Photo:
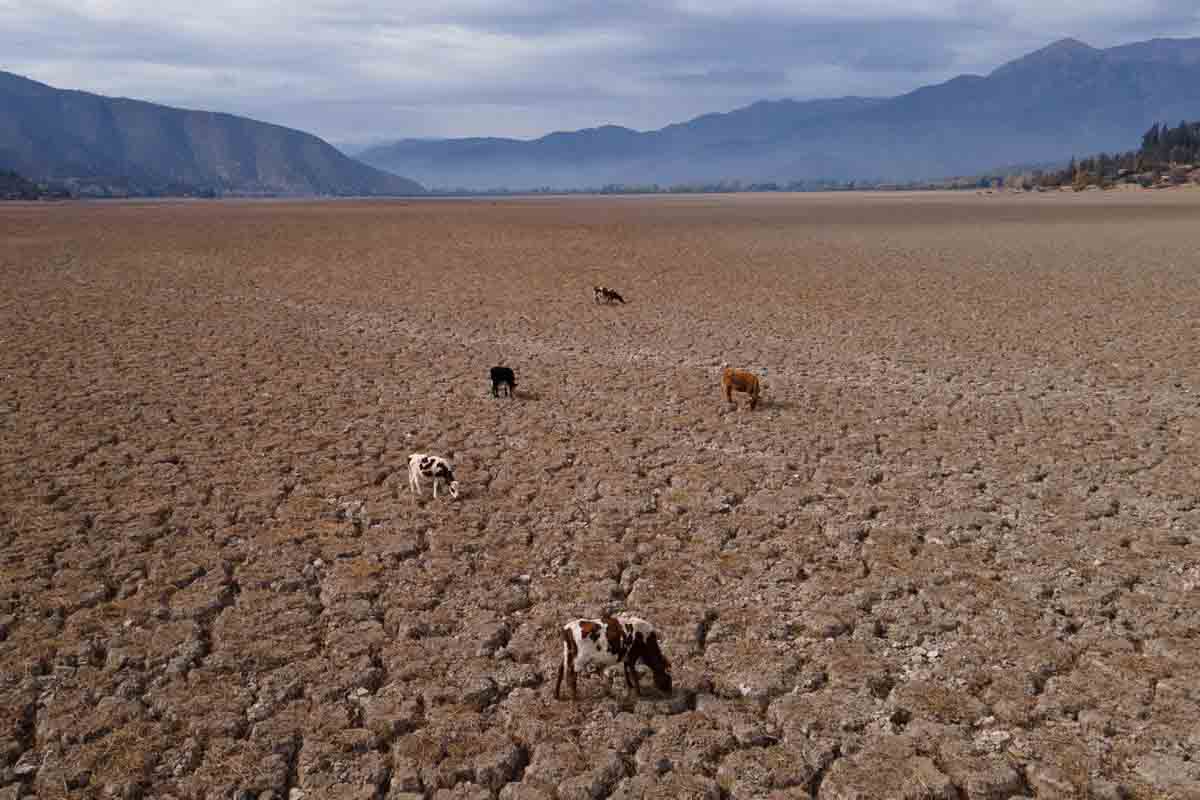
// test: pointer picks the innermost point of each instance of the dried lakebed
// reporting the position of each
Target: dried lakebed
(953, 554)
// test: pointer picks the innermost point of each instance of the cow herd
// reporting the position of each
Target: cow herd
(611, 640)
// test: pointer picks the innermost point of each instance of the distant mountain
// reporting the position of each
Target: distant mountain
(1067, 98)
(86, 139)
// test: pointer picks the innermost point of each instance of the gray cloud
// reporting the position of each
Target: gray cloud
(369, 70)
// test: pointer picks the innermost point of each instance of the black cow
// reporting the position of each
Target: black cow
(503, 376)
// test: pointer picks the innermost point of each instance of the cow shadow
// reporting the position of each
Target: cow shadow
(520, 395)
(783, 404)
(764, 405)
(678, 701)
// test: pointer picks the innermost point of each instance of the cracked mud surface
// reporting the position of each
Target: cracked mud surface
(954, 554)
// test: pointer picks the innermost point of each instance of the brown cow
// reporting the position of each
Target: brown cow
(743, 381)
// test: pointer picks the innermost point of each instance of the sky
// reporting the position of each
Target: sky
(357, 72)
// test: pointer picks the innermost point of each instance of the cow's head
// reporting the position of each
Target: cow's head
(659, 665)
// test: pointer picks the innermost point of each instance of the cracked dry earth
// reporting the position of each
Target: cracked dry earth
(954, 554)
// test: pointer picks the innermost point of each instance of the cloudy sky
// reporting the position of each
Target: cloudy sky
(357, 71)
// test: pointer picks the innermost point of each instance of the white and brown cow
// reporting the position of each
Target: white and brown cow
(607, 641)
(435, 467)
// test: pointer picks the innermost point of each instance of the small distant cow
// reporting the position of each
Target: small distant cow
(503, 376)
(742, 381)
(612, 640)
(439, 469)
(603, 294)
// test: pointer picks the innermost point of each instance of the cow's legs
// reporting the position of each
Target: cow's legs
(632, 679)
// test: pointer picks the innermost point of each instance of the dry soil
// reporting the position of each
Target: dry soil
(954, 554)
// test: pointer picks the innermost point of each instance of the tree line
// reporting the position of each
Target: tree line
(1166, 155)
(16, 187)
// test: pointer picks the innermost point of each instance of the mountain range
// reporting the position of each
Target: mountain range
(1065, 99)
(73, 137)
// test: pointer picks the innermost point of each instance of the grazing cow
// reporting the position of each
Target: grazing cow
(503, 376)
(435, 467)
(742, 381)
(608, 641)
(602, 294)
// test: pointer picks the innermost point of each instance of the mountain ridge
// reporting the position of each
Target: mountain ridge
(75, 137)
(1063, 99)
